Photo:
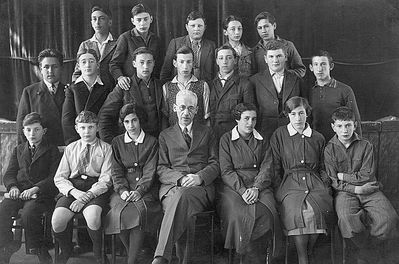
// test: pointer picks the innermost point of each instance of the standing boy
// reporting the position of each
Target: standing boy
(185, 80)
(144, 91)
(83, 179)
(203, 50)
(365, 215)
(328, 94)
(30, 186)
(102, 42)
(140, 36)
(45, 97)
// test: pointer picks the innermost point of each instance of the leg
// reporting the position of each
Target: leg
(62, 227)
(135, 243)
(301, 243)
(92, 214)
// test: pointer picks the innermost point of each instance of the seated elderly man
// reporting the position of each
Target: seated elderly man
(187, 167)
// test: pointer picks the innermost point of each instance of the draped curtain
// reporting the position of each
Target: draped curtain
(363, 37)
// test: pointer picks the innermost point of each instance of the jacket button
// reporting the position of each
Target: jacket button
(303, 136)
(302, 161)
(137, 179)
(254, 165)
(135, 164)
(303, 178)
(306, 191)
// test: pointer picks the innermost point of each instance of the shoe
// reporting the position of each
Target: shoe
(159, 260)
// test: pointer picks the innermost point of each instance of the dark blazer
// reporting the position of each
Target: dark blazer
(270, 112)
(105, 74)
(207, 59)
(77, 99)
(176, 159)
(127, 43)
(109, 113)
(37, 98)
(25, 172)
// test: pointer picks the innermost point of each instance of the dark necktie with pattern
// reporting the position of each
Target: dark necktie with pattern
(52, 89)
(186, 137)
(84, 160)
(32, 150)
(196, 49)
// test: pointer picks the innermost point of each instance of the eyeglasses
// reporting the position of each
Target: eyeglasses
(189, 108)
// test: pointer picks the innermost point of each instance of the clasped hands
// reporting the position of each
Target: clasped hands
(82, 198)
(28, 194)
(190, 180)
(250, 196)
(132, 196)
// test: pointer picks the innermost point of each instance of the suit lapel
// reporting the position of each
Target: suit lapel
(288, 84)
(47, 99)
(197, 137)
(108, 48)
(268, 83)
(177, 136)
(205, 50)
(158, 93)
(134, 91)
(41, 149)
(26, 155)
(96, 92)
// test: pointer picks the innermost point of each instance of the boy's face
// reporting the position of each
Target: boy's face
(142, 22)
(88, 64)
(344, 129)
(51, 69)
(196, 28)
(100, 22)
(183, 64)
(225, 60)
(275, 59)
(185, 108)
(266, 29)
(144, 64)
(87, 131)
(233, 31)
(34, 133)
(321, 68)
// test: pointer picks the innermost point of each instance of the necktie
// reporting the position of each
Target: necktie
(186, 137)
(84, 160)
(223, 81)
(52, 89)
(196, 49)
(32, 150)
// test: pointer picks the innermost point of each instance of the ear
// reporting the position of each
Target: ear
(225, 32)
(44, 130)
(274, 25)
(76, 128)
(174, 63)
(331, 66)
(332, 126)
(174, 108)
(134, 63)
(311, 67)
(186, 27)
(265, 58)
(110, 22)
(132, 20)
(151, 19)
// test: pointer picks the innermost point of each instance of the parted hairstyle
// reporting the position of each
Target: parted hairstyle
(295, 102)
(102, 9)
(226, 47)
(343, 113)
(90, 51)
(230, 18)
(264, 15)
(32, 118)
(195, 15)
(241, 108)
(276, 44)
(50, 53)
(183, 50)
(140, 8)
(86, 117)
(322, 53)
(128, 109)
(141, 50)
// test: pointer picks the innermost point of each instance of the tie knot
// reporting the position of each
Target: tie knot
(185, 130)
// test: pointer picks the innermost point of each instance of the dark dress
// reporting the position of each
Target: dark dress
(244, 165)
(133, 168)
(298, 163)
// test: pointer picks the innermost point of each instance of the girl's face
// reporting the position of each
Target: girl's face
(132, 125)
(233, 31)
(298, 118)
(247, 122)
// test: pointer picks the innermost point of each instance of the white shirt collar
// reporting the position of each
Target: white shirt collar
(49, 84)
(227, 75)
(189, 127)
(192, 79)
(139, 139)
(307, 132)
(108, 39)
(98, 80)
(281, 73)
(235, 135)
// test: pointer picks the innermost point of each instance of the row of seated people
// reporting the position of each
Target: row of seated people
(294, 182)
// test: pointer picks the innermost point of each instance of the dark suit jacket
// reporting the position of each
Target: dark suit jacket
(77, 99)
(207, 59)
(176, 159)
(105, 75)
(25, 172)
(270, 113)
(109, 113)
(37, 98)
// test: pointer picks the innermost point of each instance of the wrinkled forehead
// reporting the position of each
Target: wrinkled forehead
(186, 99)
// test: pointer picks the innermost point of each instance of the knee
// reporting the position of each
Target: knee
(93, 218)
(59, 222)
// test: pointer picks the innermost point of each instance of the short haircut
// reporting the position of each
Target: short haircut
(183, 50)
(276, 44)
(322, 53)
(226, 47)
(264, 15)
(140, 8)
(90, 51)
(128, 109)
(50, 53)
(195, 15)
(185, 93)
(230, 18)
(295, 102)
(86, 117)
(32, 118)
(102, 9)
(141, 50)
(343, 113)
(241, 108)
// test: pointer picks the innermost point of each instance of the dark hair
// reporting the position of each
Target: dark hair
(343, 113)
(102, 9)
(140, 8)
(276, 44)
(241, 108)
(225, 47)
(128, 109)
(141, 50)
(50, 53)
(230, 18)
(183, 50)
(264, 15)
(295, 102)
(195, 15)
(86, 117)
(322, 53)
(32, 118)
(90, 51)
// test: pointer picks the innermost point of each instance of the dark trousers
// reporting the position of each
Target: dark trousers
(31, 220)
